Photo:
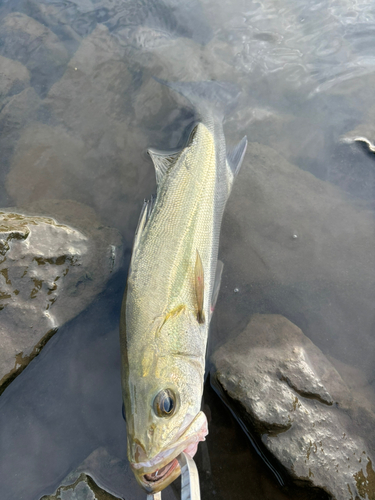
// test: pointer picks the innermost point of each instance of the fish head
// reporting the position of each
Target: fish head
(163, 402)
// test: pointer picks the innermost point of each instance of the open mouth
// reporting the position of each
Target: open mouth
(162, 469)
(162, 473)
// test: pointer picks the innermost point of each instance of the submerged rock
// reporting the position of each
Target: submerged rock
(50, 270)
(14, 77)
(168, 60)
(26, 40)
(287, 390)
(102, 476)
(48, 163)
(91, 104)
(19, 104)
(170, 18)
(155, 104)
(83, 488)
(296, 245)
(94, 88)
(18, 110)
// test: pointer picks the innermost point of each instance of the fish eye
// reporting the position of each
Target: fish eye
(165, 403)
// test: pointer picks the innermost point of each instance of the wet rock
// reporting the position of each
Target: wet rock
(296, 245)
(287, 390)
(83, 488)
(14, 77)
(26, 40)
(50, 270)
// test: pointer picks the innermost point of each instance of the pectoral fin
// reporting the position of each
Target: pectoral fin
(199, 288)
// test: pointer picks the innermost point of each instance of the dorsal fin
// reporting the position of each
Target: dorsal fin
(163, 161)
(236, 155)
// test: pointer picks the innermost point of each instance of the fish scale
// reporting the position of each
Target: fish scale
(164, 326)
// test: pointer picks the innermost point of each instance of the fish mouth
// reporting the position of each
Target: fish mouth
(164, 468)
(161, 474)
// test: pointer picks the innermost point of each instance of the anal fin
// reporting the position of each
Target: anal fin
(217, 283)
(235, 156)
(147, 207)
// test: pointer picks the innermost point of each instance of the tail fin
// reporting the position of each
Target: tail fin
(207, 98)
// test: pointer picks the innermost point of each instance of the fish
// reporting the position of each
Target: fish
(172, 287)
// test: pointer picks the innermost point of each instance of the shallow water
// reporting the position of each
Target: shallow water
(77, 127)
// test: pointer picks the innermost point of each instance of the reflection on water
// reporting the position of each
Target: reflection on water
(78, 109)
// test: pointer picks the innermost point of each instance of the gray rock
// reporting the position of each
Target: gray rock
(299, 246)
(298, 402)
(50, 270)
(14, 77)
(83, 488)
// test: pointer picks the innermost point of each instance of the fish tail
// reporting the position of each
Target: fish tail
(209, 98)
(212, 100)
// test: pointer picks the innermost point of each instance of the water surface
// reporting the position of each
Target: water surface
(77, 126)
